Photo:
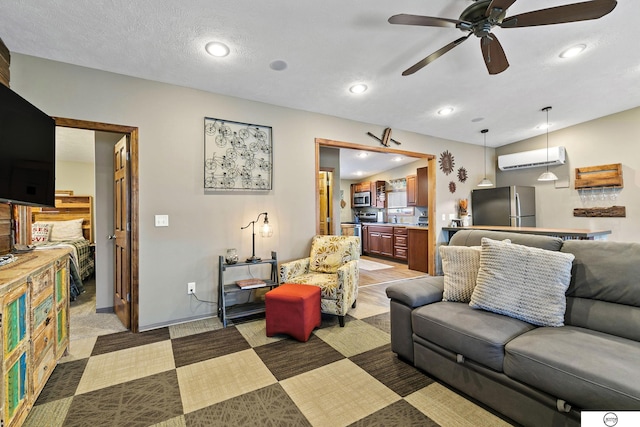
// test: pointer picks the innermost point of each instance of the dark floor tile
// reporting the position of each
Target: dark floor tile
(384, 365)
(380, 321)
(141, 402)
(268, 406)
(288, 358)
(63, 381)
(127, 339)
(399, 413)
(207, 345)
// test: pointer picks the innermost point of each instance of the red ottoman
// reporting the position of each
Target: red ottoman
(293, 309)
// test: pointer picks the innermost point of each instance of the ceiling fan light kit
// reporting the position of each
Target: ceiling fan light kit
(483, 15)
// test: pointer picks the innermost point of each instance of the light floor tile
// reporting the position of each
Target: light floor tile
(366, 309)
(195, 327)
(256, 333)
(211, 381)
(117, 367)
(356, 337)
(79, 349)
(173, 422)
(448, 408)
(337, 394)
(50, 414)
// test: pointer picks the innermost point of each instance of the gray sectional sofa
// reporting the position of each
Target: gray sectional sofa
(534, 375)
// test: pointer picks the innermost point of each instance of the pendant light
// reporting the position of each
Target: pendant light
(547, 176)
(485, 182)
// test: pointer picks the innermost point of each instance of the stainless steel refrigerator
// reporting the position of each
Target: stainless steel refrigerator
(513, 206)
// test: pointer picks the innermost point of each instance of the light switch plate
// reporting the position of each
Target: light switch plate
(162, 220)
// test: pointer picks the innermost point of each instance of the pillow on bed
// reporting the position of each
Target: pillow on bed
(66, 230)
(40, 232)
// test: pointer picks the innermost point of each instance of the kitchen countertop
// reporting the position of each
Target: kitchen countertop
(397, 224)
(561, 232)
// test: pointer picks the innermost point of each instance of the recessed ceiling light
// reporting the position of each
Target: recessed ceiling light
(358, 88)
(445, 111)
(573, 51)
(363, 154)
(217, 49)
(278, 65)
(359, 173)
(477, 119)
(397, 159)
(543, 126)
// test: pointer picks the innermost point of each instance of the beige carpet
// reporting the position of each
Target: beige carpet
(365, 264)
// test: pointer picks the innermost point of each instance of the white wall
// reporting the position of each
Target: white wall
(202, 226)
(76, 176)
(610, 139)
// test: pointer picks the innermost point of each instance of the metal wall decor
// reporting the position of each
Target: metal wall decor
(237, 156)
(447, 162)
(462, 174)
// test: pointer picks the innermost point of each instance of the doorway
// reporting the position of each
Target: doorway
(325, 205)
(129, 271)
(431, 171)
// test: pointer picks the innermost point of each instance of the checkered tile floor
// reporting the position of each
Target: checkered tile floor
(200, 374)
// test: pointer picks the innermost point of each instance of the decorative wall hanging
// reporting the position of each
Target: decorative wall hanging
(237, 156)
(447, 162)
(462, 174)
(452, 187)
(386, 137)
(611, 212)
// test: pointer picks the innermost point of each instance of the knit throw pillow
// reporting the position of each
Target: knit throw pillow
(460, 265)
(523, 282)
(40, 232)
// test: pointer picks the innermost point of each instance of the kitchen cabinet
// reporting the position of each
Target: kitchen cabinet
(380, 240)
(34, 307)
(418, 255)
(400, 243)
(418, 188)
(379, 197)
(361, 186)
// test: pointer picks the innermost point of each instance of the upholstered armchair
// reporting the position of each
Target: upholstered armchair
(333, 266)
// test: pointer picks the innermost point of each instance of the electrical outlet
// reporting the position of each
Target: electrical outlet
(191, 288)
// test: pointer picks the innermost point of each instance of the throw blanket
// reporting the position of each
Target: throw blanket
(81, 254)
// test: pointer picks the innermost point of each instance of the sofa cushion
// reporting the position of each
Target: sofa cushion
(447, 324)
(417, 292)
(460, 266)
(588, 369)
(474, 237)
(522, 282)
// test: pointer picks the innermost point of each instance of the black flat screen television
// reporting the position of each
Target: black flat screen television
(27, 152)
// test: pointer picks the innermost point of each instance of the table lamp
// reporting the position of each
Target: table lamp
(265, 231)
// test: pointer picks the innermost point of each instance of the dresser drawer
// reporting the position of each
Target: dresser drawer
(42, 311)
(41, 281)
(400, 253)
(42, 371)
(43, 341)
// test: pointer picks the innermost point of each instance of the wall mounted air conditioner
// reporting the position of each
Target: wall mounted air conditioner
(532, 159)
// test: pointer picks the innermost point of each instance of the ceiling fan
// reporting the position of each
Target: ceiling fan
(479, 18)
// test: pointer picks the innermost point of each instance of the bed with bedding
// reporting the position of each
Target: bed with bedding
(67, 225)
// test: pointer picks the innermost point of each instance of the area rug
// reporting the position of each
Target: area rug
(367, 265)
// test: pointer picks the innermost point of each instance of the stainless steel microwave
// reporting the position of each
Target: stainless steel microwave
(362, 200)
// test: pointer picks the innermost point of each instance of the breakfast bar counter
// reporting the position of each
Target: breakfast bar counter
(563, 233)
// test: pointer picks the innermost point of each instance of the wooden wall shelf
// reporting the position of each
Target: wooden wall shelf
(599, 176)
(611, 212)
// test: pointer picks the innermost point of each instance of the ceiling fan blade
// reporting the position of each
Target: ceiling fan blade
(435, 55)
(425, 21)
(561, 14)
(499, 4)
(493, 54)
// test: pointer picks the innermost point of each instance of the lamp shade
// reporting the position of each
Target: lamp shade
(547, 176)
(485, 183)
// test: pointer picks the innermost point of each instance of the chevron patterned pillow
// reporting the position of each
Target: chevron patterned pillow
(523, 282)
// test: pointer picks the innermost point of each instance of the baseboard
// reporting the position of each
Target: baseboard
(176, 322)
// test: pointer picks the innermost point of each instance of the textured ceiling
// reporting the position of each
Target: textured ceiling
(332, 44)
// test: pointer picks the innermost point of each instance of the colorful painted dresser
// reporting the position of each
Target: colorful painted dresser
(34, 316)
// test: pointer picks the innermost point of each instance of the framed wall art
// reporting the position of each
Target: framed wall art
(237, 156)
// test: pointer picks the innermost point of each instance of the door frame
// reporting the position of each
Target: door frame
(131, 133)
(431, 171)
(331, 231)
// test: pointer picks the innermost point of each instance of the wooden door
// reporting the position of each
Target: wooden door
(325, 214)
(121, 235)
